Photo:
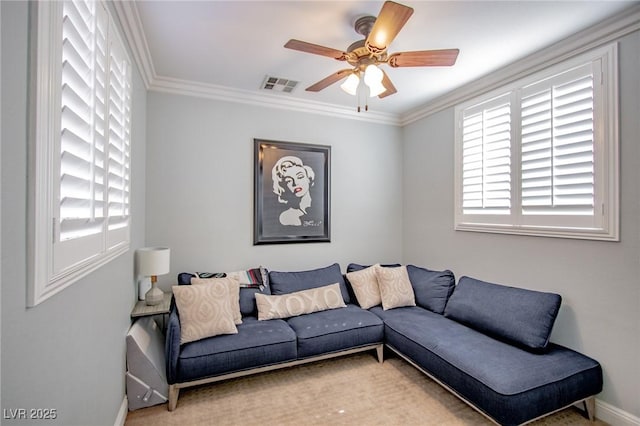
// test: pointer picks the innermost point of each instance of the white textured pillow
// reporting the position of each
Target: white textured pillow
(205, 311)
(233, 285)
(365, 286)
(395, 287)
(299, 302)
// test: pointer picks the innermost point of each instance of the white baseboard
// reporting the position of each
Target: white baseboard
(122, 413)
(615, 416)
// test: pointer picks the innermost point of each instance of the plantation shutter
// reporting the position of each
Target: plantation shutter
(93, 195)
(82, 138)
(119, 161)
(558, 133)
(486, 158)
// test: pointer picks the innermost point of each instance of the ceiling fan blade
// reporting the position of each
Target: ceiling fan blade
(390, 21)
(328, 81)
(424, 58)
(316, 49)
(386, 82)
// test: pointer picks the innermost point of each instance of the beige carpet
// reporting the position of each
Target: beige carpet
(351, 390)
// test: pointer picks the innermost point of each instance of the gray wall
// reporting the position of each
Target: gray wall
(200, 185)
(67, 353)
(598, 281)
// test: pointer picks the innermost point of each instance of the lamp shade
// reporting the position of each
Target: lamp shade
(153, 261)
(373, 75)
(351, 84)
(376, 89)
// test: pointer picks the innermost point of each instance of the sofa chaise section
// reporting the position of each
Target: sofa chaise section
(508, 384)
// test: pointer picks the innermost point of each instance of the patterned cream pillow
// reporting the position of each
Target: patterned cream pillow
(395, 287)
(205, 311)
(233, 285)
(365, 286)
(299, 302)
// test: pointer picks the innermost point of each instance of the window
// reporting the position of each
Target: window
(540, 157)
(81, 132)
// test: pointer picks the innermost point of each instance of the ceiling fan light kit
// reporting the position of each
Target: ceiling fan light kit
(373, 77)
(365, 56)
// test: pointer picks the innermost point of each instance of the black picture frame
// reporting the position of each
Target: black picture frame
(292, 202)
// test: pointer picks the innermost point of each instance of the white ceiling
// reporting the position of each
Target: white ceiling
(235, 44)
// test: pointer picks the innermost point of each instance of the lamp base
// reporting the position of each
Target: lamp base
(155, 296)
(144, 285)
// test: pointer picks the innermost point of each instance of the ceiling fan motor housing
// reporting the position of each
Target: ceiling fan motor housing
(360, 56)
(364, 25)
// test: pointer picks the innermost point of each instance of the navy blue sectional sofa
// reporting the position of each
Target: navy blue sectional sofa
(486, 343)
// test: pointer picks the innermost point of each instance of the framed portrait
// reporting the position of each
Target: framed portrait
(291, 192)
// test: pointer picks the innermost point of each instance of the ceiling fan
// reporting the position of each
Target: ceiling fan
(366, 55)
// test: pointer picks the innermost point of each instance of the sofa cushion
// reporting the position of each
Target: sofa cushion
(233, 285)
(364, 283)
(299, 302)
(336, 330)
(511, 385)
(395, 287)
(205, 311)
(248, 301)
(352, 267)
(432, 288)
(257, 343)
(288, 282)
(524, 317)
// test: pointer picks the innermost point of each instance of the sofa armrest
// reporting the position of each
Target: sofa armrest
(172, 344)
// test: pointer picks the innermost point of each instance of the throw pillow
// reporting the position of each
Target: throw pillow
(395, 287)
(250, 278)
(299, 302)
(288, 282)
(205, 311)
(234, 293)
(365, 286)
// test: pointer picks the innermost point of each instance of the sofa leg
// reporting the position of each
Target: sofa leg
(174, 391)
(380, 353)
(590, 408)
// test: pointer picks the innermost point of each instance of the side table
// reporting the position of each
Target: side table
(141, 309)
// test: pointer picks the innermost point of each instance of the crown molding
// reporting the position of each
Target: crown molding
(605, 32)
(211, 91)
(129, 18)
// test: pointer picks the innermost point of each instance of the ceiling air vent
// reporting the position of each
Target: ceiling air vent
(276, 84)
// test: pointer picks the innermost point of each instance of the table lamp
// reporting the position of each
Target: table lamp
(151, 262)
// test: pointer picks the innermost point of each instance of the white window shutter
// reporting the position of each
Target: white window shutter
(486, 158)
(558, 171)
(81, 199)
(119, 161)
